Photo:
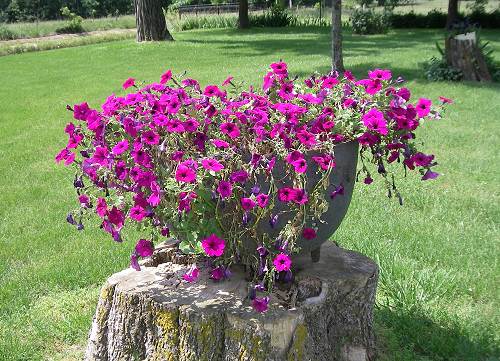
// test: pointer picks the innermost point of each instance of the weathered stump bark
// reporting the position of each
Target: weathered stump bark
(154, 315)
(150, 21)
(463, 53)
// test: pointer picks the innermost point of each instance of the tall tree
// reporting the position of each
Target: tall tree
(150, 21)
(452, 13)
(243, 21)
(337, 58)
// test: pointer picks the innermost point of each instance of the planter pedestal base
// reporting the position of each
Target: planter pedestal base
(154, 315)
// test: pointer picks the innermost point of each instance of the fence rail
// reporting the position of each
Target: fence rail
(215, 8)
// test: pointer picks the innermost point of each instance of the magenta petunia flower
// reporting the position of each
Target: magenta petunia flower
(150, 137)
(230, 129)
(227, 81)
(213, 246)
(166, 76)
(286, 194)
(80, 111)
(120, 147)
(325, 161)
(329, 82)
(247, 204)
(144, 248)
(374, 120)
(137, 213)
(100, 156)
(279, 68)
(84, 200)
(175, 126)
(268, 81)
(262, 200)
(191, 125)
(372, 86)
(306, 138)
(212, 91)
(260, 304)
(185, 174)
(116, 217)
(300, 165)
(308, 233)
(101, 207)
(300, 196)
(134, 262)
(282, 262)
(338, 191)
(66, 155)
(423, 107)
(368, 180)
(422, 159)
(445, 100)
(128, 83)
(380, 74)
(192, 274)
(212, 164)
(218, 273)
(239, 176)
(225, 189)
(219, 143)
(430, 175)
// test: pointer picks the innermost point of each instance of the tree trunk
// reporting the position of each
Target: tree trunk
(452, 13)
(150, 21)
(243, 21)
(155, 315)
(337, 58)
(463, 53)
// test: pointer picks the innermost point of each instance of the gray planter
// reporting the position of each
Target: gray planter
(344, 174)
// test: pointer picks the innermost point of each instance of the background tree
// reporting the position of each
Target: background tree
(150, 21)
(452, 13)
(243, 20)
(337, 58)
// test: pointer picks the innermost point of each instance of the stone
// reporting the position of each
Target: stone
(152, 314)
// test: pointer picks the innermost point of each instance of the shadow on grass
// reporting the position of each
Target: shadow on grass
(306, 41)
(414, 335)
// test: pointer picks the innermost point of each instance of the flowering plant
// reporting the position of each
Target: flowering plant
(176, 159)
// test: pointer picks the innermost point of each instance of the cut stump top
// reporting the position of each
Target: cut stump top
(331, 320)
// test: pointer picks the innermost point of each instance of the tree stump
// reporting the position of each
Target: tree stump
(463, 53)
(150, 21)
(153, 314)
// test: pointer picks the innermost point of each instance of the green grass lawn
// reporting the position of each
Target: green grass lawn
(438, 294)
(44, 28)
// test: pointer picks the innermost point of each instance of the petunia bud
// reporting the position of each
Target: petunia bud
(70, 219)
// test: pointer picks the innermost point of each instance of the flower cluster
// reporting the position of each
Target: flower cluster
(174, 158)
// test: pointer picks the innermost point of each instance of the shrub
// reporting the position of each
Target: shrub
(275, 16)
(6, 34)
(173, 158)
(436, 69)
(206, 22)
(369, 22)
(436, 19)
(73, 25)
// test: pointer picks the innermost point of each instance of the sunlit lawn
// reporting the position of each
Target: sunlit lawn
(438, 293)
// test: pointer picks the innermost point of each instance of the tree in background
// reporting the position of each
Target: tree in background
(243, 20)
(150, 21)
(452, 13)
(337, 58)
